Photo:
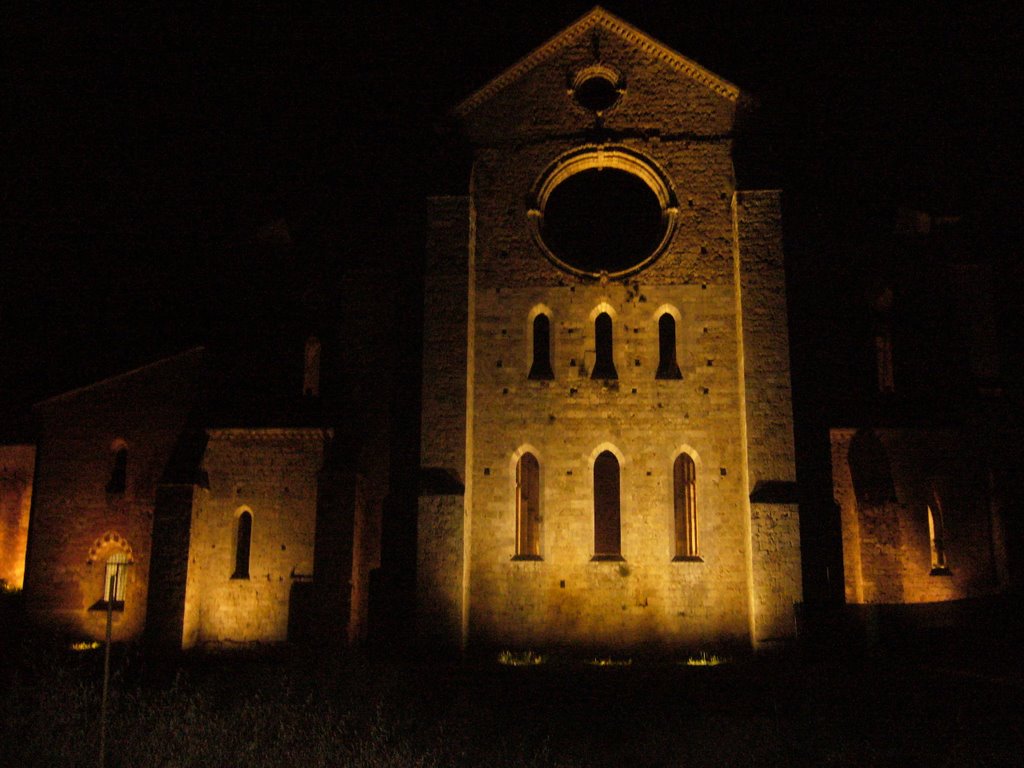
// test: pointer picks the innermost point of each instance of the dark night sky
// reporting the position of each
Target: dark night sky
(138, 146)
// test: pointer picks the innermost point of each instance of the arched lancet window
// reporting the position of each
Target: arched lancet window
(541, 367)
(607, 522)
(668, 368)
(243, 542)
(115, 578)
(311, 368)
(528, 507)
(936, 538)
(883, 358)
(604, 365)
(684, 491)
(119, 472)
(882, 312)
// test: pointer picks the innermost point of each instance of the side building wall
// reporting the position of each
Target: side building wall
(770, 462)
(271, 475)
(86, 510)
(885, 481)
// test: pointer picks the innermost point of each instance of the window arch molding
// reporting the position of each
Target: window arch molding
(667, 309)
(108, 542)
(114, 553)
(592, 466)
(526, 449)
(611, 448)
(518, 453)
(695, 552)
(690, 451)
(605, 307)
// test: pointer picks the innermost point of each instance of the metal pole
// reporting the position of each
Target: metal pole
(106, 670)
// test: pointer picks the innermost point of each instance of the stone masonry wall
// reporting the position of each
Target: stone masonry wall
(77, 524)
(439, 564)
(566, 598)
(681, 126)
(172, 521)
(768, 410)
(443, 451)
(659, 100)
(778, 581)
(272, 474)
(762, 299)
(444, 337)
(886, 545)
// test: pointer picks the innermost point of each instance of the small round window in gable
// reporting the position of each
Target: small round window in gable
(597, 88)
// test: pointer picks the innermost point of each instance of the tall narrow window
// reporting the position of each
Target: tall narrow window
(604, 365)
(528, 507)
(541, 368)
(311, 368)
(119, 472)
(882, 315)
(243, 543)
(667, 366)
(115, 578)
(883, 359)
(607, 535)
(936, 537)
(684, 484)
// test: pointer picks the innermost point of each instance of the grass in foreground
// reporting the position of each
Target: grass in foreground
(351, 711)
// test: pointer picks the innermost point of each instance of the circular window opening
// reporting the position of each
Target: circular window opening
(603, 220)
(596, 93)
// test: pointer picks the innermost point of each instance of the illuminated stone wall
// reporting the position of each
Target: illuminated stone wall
(759, 280)
(720, 276)
(78, 520)
(17, 463)
(176, 515)
(884, 494)
(443, 451)
(271, 474)
(566, 423)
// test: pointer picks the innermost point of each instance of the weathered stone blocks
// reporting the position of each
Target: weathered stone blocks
(720, 277)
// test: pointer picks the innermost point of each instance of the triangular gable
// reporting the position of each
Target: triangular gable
(197, 352)
(599, 17)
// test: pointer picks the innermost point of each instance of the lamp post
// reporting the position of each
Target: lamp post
(115, 577)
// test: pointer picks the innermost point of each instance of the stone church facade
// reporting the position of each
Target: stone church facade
(606, 456)
(607, 424)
